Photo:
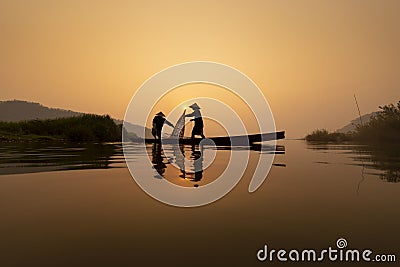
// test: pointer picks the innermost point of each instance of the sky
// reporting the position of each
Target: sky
(308, 57)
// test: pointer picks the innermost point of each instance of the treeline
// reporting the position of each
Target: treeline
(383, 127)
(87, 127)
(326, 136)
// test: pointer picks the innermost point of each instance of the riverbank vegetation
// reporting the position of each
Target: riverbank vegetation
(383, 127)
(324, 135)
(83, 128)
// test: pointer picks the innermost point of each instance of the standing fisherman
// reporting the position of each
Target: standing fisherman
(198, 121)
(158, 123)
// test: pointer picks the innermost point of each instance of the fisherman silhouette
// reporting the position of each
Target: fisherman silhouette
(158, 123)
(198, 121)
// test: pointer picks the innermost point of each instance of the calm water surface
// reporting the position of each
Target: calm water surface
(77, 205)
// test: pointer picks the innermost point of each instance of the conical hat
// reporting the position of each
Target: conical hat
(194, 106)
(160, 114)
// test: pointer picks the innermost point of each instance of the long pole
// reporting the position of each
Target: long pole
(359, 113)
(363, 166)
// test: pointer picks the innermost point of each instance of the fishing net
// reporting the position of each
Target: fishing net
(179, 129)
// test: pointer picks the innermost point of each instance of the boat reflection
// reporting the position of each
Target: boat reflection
(183, 164)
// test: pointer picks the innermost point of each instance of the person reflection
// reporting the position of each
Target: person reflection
(195, 174)
(197, 156)
(158, 159)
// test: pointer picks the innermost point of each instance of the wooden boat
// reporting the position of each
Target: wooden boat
(239, 140)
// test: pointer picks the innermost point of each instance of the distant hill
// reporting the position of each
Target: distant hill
(352, 125)
(19, 110)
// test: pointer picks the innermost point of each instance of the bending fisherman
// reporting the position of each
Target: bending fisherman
(158, 123)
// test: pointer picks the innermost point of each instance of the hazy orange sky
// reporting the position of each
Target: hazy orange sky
(308, 57)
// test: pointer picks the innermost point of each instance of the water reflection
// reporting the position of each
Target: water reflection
(193, 173)
(31, 157)
(179, 155)
(43, 157)
(185, 165)
(305, 204)
(197, 157)
(384, 158)
(158, 159)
